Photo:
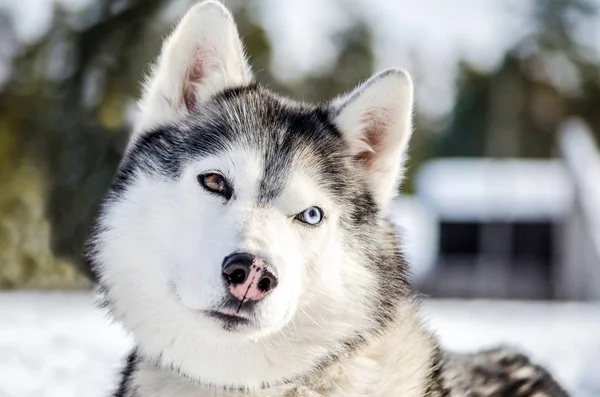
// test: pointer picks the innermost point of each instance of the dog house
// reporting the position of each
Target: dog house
(499, 225)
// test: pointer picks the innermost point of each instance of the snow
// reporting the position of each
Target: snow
(59, 345)
(495, 189)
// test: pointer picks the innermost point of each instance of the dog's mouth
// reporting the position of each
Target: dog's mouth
(229, 319)
(230, 315)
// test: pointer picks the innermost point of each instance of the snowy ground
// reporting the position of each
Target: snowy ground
(59, 345)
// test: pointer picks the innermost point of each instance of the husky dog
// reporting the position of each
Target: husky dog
(245, 244)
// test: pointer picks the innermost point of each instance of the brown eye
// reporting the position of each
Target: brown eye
(215, 183)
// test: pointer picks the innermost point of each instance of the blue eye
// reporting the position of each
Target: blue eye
(311, 216)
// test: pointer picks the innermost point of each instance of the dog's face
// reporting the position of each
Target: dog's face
(243, 240)
(245, 227)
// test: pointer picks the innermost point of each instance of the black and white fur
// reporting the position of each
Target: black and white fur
(343, 320)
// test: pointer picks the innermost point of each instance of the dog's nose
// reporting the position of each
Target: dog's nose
(248, 277)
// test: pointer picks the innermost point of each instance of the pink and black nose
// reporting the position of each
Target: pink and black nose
(247, 277)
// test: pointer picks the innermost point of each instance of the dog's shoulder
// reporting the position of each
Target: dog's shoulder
(499, 372)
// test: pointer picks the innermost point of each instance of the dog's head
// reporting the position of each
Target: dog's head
(244, 239)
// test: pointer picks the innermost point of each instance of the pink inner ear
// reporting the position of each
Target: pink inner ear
(377, 124)
(195, 74)
(203, 61)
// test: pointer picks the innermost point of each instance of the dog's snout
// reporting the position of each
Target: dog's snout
(248, 277)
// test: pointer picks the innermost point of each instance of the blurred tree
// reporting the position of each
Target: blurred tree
(256, 41)
(62, 132)
(464, 135)
(353, 64)
(517, 109)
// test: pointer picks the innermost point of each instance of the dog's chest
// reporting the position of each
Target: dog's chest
(360, 378)
(383, 368)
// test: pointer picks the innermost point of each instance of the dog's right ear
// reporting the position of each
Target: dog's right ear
(201, 57)
(376, 121)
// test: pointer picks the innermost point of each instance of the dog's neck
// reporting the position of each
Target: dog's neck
(398, 361)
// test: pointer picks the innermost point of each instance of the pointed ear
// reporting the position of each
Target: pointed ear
(376, 121)
(202, 56)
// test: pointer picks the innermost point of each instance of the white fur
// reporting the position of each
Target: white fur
(376, 119)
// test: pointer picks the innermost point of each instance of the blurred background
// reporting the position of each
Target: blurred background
(500, 205)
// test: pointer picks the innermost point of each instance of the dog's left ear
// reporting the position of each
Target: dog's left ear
(376, 121)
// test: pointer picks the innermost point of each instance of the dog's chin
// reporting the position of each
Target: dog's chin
(240, 326)
(232, 322)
